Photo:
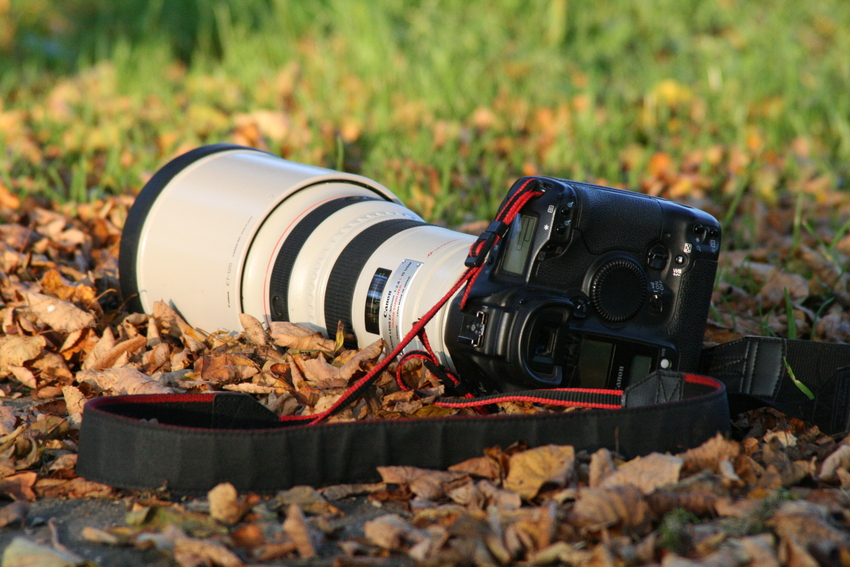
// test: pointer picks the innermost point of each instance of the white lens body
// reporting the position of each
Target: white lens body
(211, 237)
(196, 236)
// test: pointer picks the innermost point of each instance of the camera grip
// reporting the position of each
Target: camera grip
(687, 323)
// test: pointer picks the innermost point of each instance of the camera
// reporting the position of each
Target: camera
(589, 287)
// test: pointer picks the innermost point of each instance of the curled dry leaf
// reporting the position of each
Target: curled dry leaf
(58, 314)
(839, 459)
(107, 353)
(646, 473)
(193, 552)
(16, 350)
(529, 471)
(74, 402)
(601, 466)
(598, 508)
(296, 528)
(224, 503)
(23, 552)
(393, 532)
(710, 454)
(298, 337)
(806, 525)
(123, 380)
(254, 331)
(425, 483)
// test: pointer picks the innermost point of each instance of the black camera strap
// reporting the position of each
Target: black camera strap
(189, 443)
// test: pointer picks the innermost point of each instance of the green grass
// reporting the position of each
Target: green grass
(444, 102)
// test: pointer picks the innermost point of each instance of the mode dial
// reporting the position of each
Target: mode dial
(618, 290)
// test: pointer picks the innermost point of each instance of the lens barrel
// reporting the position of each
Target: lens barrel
(224, 230)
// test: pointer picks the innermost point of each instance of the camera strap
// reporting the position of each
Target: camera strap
(188, 443)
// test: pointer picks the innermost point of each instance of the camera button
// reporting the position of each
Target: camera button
(656, 258)
(664, 363)
(656, 302)
(680, 259)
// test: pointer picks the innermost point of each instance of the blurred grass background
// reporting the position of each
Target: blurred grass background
(446, 102)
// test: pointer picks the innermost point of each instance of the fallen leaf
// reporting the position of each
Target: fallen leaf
(838, 459)
(16, 350)
(598, 508)
(425, 483)
(23, 552)
(58, 314)
(224, 504)
(646, 473)
(123, 380)
(14, 514)
(19, 486)
(710, 454)
(529, 471)
(601, 466)
(74, 402)
(296, 528)
(393, 532)
(193, 552)
(298, 337)
(254, 331)
(310, 500)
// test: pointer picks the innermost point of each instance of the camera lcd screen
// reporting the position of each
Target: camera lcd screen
(641, 367)
(594, 363)
(519, 244)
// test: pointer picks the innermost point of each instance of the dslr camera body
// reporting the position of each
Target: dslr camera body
(589, 286)
(592, 287)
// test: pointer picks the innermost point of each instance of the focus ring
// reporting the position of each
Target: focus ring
(285, 261)
(339, 293)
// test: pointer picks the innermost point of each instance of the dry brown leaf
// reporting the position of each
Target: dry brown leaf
(296, 528)
(58, 314)
(16, 350)
(23, 552)
(838, 459)
(807, 526)
(425, 483)
(226, 368)
(193, 552)
(310, 500)
(484, 467)
(601, 466)
(104, 344)
(761, 550)
(710, 454)
(14, 514)
(19, 486)
(598, 508)
(72, 488)
(24, 375)
(530, 470)
(298, 337)
(393, 532)
(224, 504)
(646, 473)
(74, 402)
(124, 380)
(109, 357)
(8, 420)
(254, 331)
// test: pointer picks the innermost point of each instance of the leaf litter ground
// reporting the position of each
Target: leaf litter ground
(774, 494)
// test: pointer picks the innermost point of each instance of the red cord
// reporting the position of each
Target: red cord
(506, 214)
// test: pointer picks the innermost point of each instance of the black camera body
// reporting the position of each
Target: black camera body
(592, 287)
